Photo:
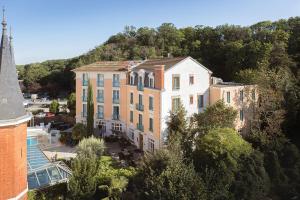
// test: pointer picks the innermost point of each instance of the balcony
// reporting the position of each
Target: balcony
(116, 83)
(100, 99)
(84, 98)
(140, 126)
(116, 101)
(100, 84)
(140, 87)
(140, 107)
(83, 114)
(85, 82)
(100, 115)
(116, 117)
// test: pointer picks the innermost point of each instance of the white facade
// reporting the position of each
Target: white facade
(186, 68)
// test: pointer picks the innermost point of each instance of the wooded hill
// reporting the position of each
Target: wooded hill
(225, 49)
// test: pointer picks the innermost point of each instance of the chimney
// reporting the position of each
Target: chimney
(159, 72)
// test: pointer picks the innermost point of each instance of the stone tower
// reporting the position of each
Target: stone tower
(13, 125)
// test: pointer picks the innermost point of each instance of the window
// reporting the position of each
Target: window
(116, 126)
(175, 104)
(176, 82)
(151, 103)
(102, 125)
(151, 145)
(241, 115)
(140, 84)
(151, 82)
(100, 80)
(200, 101)
(140, 99)
(131, 98)
(116, 112)
(84, 110)
(191, 79)
(151, 124)
(131, 116)
(100, 96)
(84, 95)
(116, 80)
(100, 110)
(228, 97)
(84, 79)
(116, 96)
(140, 119)
(253, 94)
(191, 99)
(131, 81)
(241, 95)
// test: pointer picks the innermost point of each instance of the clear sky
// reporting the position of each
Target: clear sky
(53, 29)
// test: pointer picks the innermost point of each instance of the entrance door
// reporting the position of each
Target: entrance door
(141, 142)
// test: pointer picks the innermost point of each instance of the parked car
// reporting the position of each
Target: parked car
(49, 114)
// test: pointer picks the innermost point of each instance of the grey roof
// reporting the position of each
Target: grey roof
(11, 98)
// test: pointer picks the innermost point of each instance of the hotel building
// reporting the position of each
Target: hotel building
(136, 97)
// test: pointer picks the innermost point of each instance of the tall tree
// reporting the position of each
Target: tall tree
(90, 111)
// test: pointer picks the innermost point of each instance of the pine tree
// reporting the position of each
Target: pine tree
(90, 111)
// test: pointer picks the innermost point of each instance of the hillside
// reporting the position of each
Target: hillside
(225, 50)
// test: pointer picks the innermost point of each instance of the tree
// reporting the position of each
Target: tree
(177, 123)
(251, 180)
(79, 131)
(217, 115)
(82, 184)
(90, 111)
(91, 145)
(54, 107)
(164, 175)
(216, 157)
(71, 103)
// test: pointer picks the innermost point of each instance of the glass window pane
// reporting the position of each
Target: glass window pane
(43, 177)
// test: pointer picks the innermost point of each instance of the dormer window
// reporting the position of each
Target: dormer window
(141, 75)
(131, 78)
(151, 80)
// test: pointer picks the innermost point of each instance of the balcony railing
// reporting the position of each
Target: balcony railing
(85, 82)
(116, 83)
(100, 99)
(83, 114)
(116, 101)
(84, 98)
(140, 107)
(100, 115)
(116, 117)
(140, 126)
(140, 87)
(100, 84)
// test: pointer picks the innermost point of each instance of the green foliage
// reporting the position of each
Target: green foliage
(90, 111)
(216, 159)
(90, 146)
(54, 107)
(71, 103)
(164, 175)
(83, 182)
(215, 116)
(79, 131)
(251, 180)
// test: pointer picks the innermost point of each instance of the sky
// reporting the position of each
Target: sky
(56, 29)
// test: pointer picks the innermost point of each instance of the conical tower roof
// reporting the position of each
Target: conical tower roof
(11, 98)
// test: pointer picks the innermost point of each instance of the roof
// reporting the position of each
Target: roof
(11, 98)
(167, 62)
(108, 66)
